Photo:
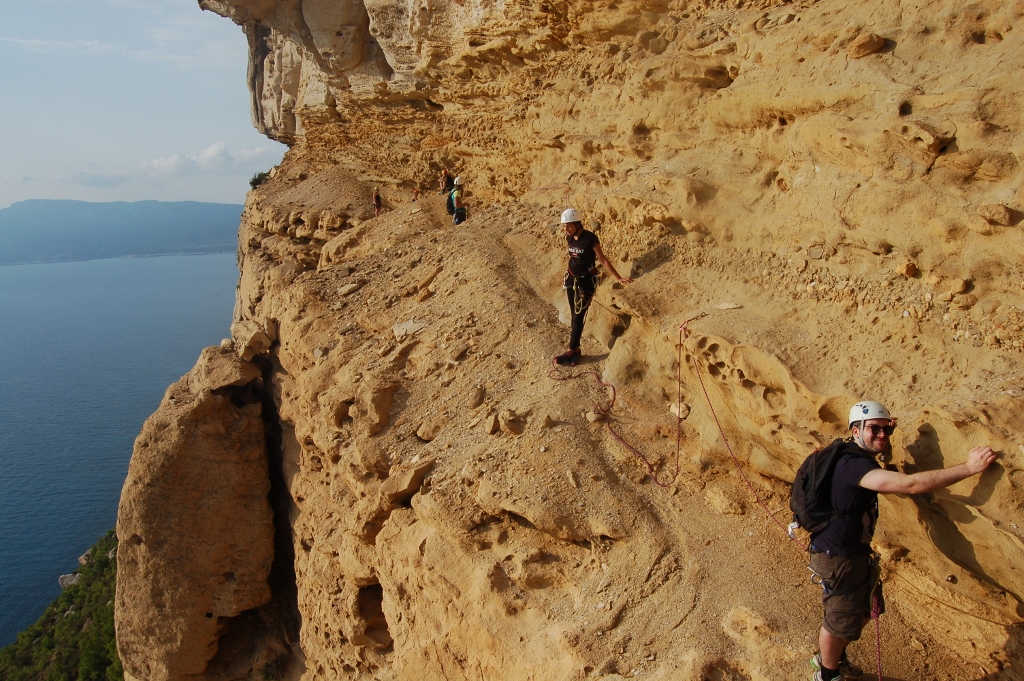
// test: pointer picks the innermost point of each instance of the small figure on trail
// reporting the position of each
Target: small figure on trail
(580, 281)
(458, 203)
(378, 204)
(415, 195)
(445, 183)
(841, 555)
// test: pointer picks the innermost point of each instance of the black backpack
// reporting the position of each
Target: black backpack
(811, 498)
(449, 205)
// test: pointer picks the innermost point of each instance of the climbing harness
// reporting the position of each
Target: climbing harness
(874, 576)
(580, 300)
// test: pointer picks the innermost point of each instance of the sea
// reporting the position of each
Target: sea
(86, 352)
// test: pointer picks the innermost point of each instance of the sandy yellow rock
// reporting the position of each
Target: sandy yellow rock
(720, 152)
(194, 525)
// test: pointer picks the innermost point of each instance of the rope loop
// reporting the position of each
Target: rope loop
(875, 609)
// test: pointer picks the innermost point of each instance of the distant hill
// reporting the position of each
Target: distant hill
(55, 231)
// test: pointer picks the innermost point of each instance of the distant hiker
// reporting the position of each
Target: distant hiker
(415, 195)
(841, 555)
(580, 281)
(445, 183)
(457, 201)
(378, 204)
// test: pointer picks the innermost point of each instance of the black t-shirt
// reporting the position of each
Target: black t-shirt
(850, 534)
(582, 258)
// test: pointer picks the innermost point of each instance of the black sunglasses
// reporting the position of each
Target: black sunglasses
(878, 430)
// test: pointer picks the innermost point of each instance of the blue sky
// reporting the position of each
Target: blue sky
(125, 100)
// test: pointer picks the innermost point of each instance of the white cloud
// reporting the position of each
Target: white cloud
(60, 46)
(173, 165)
(259, 154)
(140, 77)
(214, 159)
(186, 54)
(176, 33)
(206, 55)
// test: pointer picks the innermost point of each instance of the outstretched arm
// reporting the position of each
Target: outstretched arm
(884, 481)
(608, 265)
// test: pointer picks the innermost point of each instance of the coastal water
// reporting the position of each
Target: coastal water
(86, 351)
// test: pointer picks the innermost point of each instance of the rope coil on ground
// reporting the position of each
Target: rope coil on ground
(605, 411)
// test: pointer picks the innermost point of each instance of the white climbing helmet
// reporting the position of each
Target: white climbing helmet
(458, 180)
(571, 215)
(867, 410)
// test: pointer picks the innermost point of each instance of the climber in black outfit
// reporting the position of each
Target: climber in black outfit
(580, 280)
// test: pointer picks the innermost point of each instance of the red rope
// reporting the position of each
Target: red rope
(876, 615)
(605, 411)
(735, 459)
(875, 609)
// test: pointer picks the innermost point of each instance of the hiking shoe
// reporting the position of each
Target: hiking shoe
(847, 669)
(569, 358)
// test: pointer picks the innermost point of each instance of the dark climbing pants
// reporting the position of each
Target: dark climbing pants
(580, 292)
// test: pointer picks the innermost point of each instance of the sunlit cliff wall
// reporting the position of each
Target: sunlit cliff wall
(404, 492)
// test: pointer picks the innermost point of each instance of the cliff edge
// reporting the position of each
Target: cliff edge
(380, 477)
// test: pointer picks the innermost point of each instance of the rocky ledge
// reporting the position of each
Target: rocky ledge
(380, 477)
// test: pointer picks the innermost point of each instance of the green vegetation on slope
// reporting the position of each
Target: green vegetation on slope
(74, 638)
(258, 178)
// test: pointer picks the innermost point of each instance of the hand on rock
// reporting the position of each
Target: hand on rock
(980, 458)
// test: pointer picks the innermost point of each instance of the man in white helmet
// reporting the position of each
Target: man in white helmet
(580, 281)
(841, 553)
(458, 199)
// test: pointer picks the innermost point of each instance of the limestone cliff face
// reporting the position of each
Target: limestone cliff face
(834, 185)
(182, 581)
